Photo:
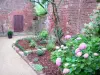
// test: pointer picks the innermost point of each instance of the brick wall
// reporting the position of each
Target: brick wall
(9, 8)
(73, 14)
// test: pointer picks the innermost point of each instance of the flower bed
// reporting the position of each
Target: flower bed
(41, 64)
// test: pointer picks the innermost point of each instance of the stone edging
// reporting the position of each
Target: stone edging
(23, 56)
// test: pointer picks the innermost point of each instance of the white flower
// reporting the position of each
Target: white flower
(65, 47)
(95, 54)
(57, 47)
(78, 38)
(73, 65)
(59, 50)
(66, 64)
(44, 49)
(62, 46)
(66, 71)
(38, 49)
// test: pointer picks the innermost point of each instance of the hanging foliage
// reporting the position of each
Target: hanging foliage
(40, 10)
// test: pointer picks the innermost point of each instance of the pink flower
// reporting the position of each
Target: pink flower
(86, 55)
(65, 71)
(77, 50)
(58, 61)
(78, 54)
(82, 46)
(67, 36)
(95, 54)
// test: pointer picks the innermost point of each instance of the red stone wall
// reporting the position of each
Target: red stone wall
(73, 14)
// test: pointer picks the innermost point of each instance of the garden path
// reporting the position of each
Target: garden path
(10, 62)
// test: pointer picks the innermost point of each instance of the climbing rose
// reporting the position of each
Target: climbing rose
(78, 54)
(95, 54)
(86, 55)
(65, 71)
(77, 50)
(67, 36)
(82, 46)
(58, 61)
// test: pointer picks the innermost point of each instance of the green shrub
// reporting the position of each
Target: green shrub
(40, 52)
(50, 46)
(43, 35)
(32, 43)
(86, 63)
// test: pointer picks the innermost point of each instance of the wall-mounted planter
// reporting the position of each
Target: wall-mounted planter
(40, 11)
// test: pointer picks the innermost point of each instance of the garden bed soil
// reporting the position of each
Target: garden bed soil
(25, 45)
(45, 61)
(51, 68)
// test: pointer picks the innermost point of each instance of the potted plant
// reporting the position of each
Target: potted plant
(10, 33)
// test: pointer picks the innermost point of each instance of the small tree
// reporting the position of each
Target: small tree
(57, 30)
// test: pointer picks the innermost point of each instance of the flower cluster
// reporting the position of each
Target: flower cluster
(80, 54)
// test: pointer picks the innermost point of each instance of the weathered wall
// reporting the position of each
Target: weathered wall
(9, 8)
(73, 14)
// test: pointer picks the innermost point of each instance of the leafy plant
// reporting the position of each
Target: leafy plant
(50, 46)
(35, 59)
(10, 33)
(38, 67)
(40, 52)
(32, 43)
(76, 60)
(43, 35)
